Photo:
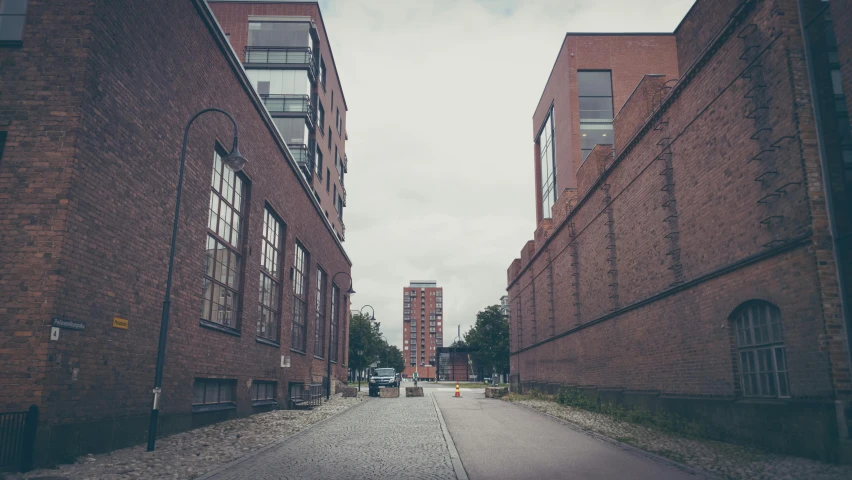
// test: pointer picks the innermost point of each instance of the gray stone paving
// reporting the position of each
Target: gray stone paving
(384, 438)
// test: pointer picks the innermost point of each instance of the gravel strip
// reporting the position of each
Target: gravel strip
(192, 453)
(723, 459)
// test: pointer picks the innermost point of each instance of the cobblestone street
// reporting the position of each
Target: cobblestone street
(384, 438)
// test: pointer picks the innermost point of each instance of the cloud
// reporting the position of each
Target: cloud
(441, 95)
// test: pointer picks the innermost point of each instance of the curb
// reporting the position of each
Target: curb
(461, 474)
(249, 456)
(625, 446)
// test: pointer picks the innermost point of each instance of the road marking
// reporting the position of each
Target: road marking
(461, 474)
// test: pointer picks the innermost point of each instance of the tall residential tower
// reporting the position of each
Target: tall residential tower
(422, 324)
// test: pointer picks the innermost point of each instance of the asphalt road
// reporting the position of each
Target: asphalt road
(393, 438)
(499, 440)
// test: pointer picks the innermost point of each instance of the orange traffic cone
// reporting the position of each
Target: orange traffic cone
(457, 391)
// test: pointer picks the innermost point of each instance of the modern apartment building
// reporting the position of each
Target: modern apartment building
(89, 169)
(693, 249)
(422, 324)
(504, 305)
(287, 56)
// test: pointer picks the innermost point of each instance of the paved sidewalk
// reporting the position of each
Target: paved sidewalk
(382, 439)
(499, 440)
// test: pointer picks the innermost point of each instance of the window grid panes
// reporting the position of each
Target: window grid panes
(298, 336)
(263, 391)
(335, 292)
(547, 160)
(221, 286)
(270, 278)
(760, 350)
(319, 327)
(594, 90)
(209, 391)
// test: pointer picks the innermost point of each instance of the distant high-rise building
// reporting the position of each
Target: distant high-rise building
(504, 305)
(422, 324)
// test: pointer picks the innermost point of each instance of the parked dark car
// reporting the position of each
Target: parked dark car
(382, 377)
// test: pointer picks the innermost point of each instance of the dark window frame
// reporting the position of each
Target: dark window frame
(220, 402)
(320, 314)
(548, 185)
(584, 153)
(334, 324)
(275, 248)
(19, 41)
(757, 330)
(299, 330)
(264, 392)
(215, 239)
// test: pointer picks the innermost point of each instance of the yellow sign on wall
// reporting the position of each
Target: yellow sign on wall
(120, 323)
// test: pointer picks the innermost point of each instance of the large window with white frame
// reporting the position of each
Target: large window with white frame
(221, 288)
(547, 160)
(269, 304)
(299, 332)
(760, 350)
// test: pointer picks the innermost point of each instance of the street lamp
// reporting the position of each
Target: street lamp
(328, 359)
(361, 352)
(233, 160)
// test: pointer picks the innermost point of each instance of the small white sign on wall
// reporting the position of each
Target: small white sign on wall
(285, 361)
(54, 333)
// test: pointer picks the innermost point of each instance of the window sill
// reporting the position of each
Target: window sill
(213, 408)
(334, 362)
(11, 43)
(263, 403)
(296, 350)
(219, 328)
(266, 341)
(317, 357)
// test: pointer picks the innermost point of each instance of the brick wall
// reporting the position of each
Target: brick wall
(717, 201)
(110, 193)
(629, 57)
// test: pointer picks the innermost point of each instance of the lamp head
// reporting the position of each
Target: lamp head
(351, 291)
(235, 160)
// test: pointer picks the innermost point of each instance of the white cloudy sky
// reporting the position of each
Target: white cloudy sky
(440, 96)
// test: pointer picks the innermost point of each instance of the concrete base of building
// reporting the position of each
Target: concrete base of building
(413, 391)
(805, 428)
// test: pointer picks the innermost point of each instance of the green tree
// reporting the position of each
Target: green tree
(365, 341)
(490, 336)
(393, 358)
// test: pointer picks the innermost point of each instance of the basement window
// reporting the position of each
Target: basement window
(212, 394)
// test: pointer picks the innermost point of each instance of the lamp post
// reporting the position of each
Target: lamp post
(328, 359)
(361, 352)
(233, 160)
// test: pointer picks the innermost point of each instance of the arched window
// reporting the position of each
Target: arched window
(760, 350)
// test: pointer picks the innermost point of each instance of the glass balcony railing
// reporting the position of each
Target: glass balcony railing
(282, 56)
(303, 155)
(287, 103)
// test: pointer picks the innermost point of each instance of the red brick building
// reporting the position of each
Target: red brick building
(422, 326)
(694, 213)
(288, 59)
(96, 95)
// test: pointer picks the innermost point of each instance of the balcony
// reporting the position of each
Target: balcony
(304, 157)
(289, 103)
(292, 57)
